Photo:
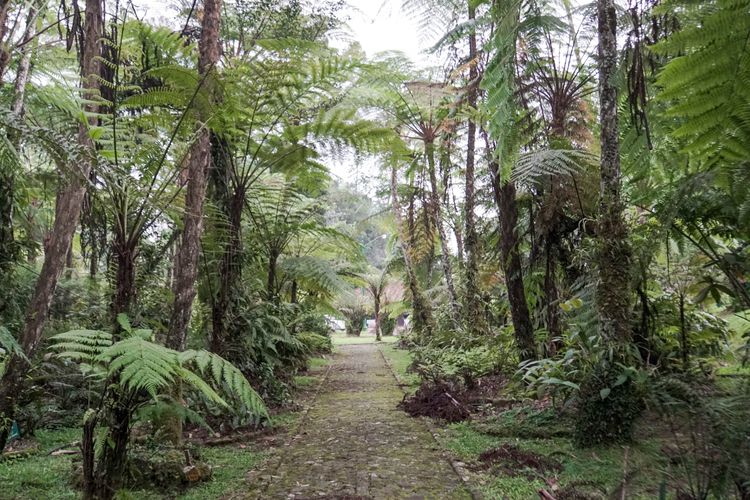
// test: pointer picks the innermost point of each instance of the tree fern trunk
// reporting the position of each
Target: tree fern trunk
(505, 197)
(474, 315)
(445, 256)
(67, 213)
(420, 307)
(229, 272)
(124, 276)
(186, 270)
(613, 288)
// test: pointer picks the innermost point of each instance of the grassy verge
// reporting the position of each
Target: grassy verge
(400, 360)
(342, 339)
(314, 364)
(41, 475)
(598, 470)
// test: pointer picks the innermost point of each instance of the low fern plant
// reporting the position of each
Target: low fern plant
(139, 377)
(140, 365)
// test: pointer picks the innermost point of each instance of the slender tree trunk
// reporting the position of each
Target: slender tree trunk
(505, 198)
(273, 259)
(423, 322)
(125, 291)
(67, 213)
(376, 307)
(474, 315)
(445, 255)
(551, 300)
(186, 271)
(613, 288)
(8, 247)
(4, 52)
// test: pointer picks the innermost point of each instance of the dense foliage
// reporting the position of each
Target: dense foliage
(560, 212)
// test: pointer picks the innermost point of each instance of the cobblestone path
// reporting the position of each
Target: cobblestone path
(355, 443)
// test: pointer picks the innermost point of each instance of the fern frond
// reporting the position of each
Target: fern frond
(227, 377)
(81, 345)
(142, 365)
(9, 344)
(532, 167)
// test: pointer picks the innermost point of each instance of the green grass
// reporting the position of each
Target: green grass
(315, 363)
(342, 339)
(400, 360)
(41, 476)
(599, 466)
(230, 464)
(304, 381)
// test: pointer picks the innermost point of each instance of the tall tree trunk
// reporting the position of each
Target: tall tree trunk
(551, 302)
(613, 288)
(474, 315)
(550, 219)
(124, 295)
(273, 260)
(186, 271)
(67, 213)
(505, 198)
(445, 255)
(423, 322)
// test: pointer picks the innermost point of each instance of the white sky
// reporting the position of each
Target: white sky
(380, 25)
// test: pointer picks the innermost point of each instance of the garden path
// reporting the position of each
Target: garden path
(354, 442)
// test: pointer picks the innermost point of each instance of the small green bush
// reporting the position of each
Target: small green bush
(609, 404)
(316, 343)
(465, 364)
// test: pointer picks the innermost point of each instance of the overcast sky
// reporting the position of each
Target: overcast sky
(380, 25)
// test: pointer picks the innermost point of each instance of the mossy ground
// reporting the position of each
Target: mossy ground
(598, 469)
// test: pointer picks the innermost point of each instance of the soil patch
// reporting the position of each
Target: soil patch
(439, 401)
(513, 461)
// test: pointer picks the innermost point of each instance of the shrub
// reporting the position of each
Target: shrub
(316, 343)
(609, 402)
(710, 447)
(387, 325)
(458, 363)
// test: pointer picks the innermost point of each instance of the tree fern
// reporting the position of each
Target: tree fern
(225, 376)
(139, 365)
(708, 83)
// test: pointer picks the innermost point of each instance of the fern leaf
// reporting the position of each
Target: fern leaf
(81, 345)
(142, 365)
